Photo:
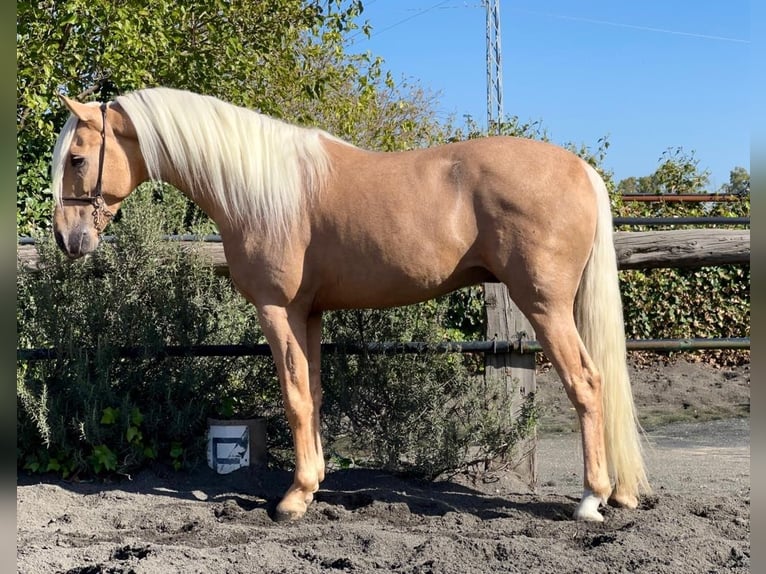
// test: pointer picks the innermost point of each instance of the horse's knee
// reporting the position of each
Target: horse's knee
(584, 391)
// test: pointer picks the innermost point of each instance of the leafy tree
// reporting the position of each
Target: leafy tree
(286, 58)
(678, 172)
(243, 51)
(635, 184)
(739, 182)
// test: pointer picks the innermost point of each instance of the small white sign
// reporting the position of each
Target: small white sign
(228, 448)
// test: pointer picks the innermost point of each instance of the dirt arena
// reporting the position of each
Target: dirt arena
(697, 519)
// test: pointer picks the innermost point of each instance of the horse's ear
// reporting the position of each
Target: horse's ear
(83, 112)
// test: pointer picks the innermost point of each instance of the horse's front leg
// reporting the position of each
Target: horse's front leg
(287, 334)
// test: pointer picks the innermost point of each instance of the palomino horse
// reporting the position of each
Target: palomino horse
(311, 223)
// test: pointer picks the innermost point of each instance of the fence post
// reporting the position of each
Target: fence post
(512, 373)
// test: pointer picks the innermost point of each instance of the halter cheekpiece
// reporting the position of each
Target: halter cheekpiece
(101, 215)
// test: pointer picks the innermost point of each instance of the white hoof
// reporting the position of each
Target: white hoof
(588, 508)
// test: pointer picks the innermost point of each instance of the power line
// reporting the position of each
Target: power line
(635, 26)
(455, 6)
(407, 19)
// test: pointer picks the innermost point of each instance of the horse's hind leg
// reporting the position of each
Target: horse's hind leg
(315, 384)
(561, 342)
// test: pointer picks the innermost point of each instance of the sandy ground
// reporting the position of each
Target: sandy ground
(697, 519)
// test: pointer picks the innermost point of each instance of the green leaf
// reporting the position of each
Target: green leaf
(109, 416)
(103, 458)
(136, 417)
(176, 450)
(133, 434)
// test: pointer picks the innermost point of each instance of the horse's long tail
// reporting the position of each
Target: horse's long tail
(599, 318)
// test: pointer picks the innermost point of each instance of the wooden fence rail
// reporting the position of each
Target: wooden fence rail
(635, 249)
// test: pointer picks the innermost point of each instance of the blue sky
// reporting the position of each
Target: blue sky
(649, 74)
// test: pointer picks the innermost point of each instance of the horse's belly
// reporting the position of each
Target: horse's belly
(392, 288)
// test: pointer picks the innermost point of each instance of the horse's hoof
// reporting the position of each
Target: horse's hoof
(285, 515)
(588, 516)
(623, 500)
(587, 510)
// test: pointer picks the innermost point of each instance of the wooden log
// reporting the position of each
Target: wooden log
(28, 257)
(511, 376)
(682, 248)
(635, 249)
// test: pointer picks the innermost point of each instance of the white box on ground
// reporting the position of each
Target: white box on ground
(235, 444)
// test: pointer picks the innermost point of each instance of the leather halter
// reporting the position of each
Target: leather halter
(101, 215)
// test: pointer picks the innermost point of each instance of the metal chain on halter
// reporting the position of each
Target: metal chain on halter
(101, 215)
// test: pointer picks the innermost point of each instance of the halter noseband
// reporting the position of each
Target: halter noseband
(101, 215)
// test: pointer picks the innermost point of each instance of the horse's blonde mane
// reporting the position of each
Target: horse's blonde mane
(261, 171)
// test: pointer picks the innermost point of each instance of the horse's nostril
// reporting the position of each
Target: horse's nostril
(59, 240)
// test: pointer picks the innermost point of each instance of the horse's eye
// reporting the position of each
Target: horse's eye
(77, 161)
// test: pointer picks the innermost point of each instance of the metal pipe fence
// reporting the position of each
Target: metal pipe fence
(683, 197)
(381, 348)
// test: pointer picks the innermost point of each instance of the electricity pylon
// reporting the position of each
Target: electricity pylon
(494, 65)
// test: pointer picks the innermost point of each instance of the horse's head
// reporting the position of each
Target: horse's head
(96, 165)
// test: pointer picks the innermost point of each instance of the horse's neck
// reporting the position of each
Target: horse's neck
(201, 197)
(266, 192)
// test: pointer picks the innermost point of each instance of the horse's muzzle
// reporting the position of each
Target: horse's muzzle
(77, 242)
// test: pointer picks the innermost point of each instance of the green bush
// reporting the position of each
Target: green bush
(90, 410)
(425, 413)
(684, 303)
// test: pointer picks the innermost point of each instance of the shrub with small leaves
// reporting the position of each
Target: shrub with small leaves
(427, 413)
(91, 410)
